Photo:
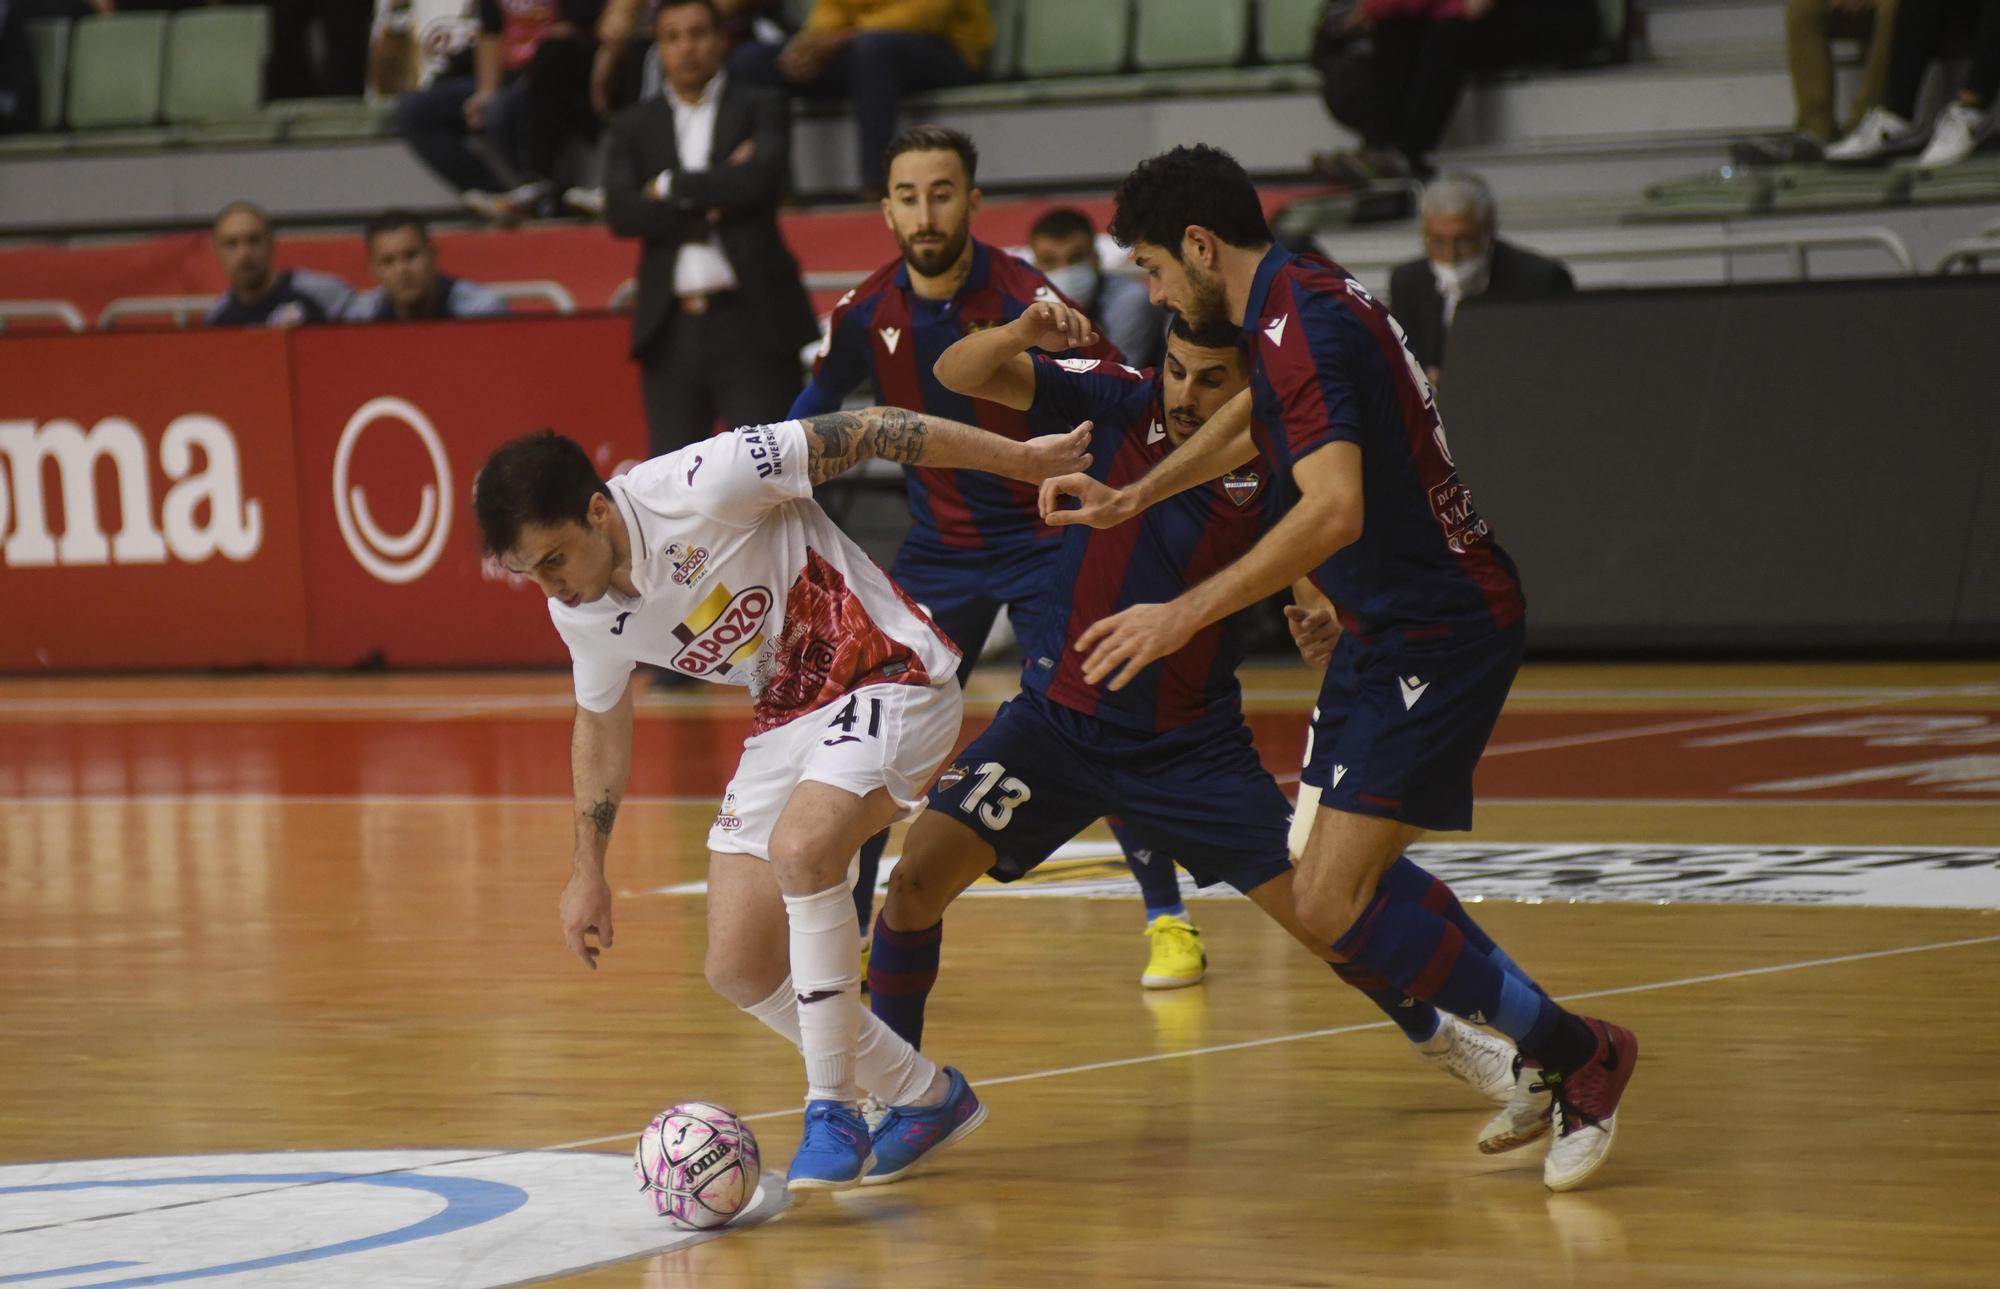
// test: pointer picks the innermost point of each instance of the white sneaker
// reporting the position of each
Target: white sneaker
(1956, 136)
(1880, 133)
(1474, 1057)
(584, 201)
(1528, 1115)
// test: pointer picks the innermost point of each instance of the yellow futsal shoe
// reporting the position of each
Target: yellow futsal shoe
(1177, 959)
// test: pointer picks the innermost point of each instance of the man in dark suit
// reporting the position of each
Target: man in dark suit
(1463, 259)
(696, 173)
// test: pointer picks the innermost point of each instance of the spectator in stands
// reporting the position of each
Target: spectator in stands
(1463, 258)
(1923, 30)
(416, 43)
(409, 287)
(20, 88)
(874, 52)
(332, 64)
(1422, 52)
(1811, 27)
(696, 174)
(438, 122)
(1064, 245)
(258, 295)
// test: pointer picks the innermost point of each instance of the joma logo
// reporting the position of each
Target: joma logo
(203, 513)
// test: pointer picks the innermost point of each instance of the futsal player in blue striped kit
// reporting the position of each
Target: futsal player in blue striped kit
(1372, 509)
(1170, 751)
(977, 543)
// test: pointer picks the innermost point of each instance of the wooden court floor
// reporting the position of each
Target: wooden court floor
(318, 913)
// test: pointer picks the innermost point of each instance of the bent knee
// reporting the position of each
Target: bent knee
(741, 979)
(914, 900)
(1328, 911)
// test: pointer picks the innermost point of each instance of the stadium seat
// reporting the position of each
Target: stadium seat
(1190, 33)
(1285, 32)
(1068, 38)
(215, 68)
(115, 70)
(49, 38)
(331, 119)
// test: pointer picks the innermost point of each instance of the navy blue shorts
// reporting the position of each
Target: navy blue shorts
(1042, 773)
(964, 590)
(1400, 727)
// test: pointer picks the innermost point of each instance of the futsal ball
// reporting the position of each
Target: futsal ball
(697, 1164)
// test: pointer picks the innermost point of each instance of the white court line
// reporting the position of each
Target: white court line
(1303, 1035)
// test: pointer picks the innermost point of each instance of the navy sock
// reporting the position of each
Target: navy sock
(1420, 951)
(902, 967)
(870, 856)
(1159, 885)
(1406, 880)
(1416, 1018)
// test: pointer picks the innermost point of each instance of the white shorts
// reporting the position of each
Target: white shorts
(892, 737)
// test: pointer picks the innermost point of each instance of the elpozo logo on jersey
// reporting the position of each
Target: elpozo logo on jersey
(406, 556)
(723, 630)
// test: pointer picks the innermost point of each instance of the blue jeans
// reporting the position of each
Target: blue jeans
(875, 69)
(432, 121)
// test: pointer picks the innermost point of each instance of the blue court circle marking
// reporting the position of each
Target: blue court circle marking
(469, 1202)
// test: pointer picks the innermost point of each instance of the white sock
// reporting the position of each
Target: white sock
(780, 1012)
(883, 1063)
(826, 975)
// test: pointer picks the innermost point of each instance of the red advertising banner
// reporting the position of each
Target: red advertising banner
(393, 423)
(148, 508)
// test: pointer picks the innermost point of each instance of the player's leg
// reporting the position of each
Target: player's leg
(1413, 727)
(1021, 789)
(941, 857)
(748, 962)
(887, 740)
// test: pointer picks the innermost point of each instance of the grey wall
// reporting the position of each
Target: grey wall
(1758, 467)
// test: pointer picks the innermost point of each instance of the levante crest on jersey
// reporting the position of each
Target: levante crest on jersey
(1242, 486)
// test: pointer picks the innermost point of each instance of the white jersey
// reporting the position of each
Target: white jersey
(743, 580)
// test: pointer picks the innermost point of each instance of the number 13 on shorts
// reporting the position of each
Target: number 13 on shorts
(998, 813)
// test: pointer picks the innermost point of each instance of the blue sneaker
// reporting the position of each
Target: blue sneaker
(833, 1154)
(908, 1133)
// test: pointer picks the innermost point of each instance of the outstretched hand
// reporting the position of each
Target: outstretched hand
(1053, 454)
(1098, 504)
(1055, 327)
(1118, 647)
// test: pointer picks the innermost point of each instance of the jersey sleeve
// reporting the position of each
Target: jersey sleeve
(599, 677)
(1085, 389)
(734, 478)
(1313, 373)
(842, 362)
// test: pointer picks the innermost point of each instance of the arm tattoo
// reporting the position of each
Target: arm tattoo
(836, 440)
(603, 814)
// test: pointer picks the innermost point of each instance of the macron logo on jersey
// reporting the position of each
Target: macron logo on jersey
(1275, 331)
(1413, 689)
(891, 336)
(1156, 433)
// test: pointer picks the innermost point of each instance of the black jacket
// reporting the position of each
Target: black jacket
(1516, 275)
(745, 196)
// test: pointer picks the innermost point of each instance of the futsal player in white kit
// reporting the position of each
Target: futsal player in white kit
(715, 562)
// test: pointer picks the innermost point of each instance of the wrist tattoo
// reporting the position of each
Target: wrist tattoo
(603, 814)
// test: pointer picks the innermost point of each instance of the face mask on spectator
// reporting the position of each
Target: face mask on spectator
(1465, 278)
(1077, 281)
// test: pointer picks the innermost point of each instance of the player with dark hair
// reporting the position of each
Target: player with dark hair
(976, 544)
(1373, 512)
(1170, 751)
(715, 562)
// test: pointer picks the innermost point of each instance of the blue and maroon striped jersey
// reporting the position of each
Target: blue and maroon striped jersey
(1148, 560)
(1330, 365)
(884, 332)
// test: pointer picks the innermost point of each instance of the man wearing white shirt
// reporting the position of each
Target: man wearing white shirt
(696, 174)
